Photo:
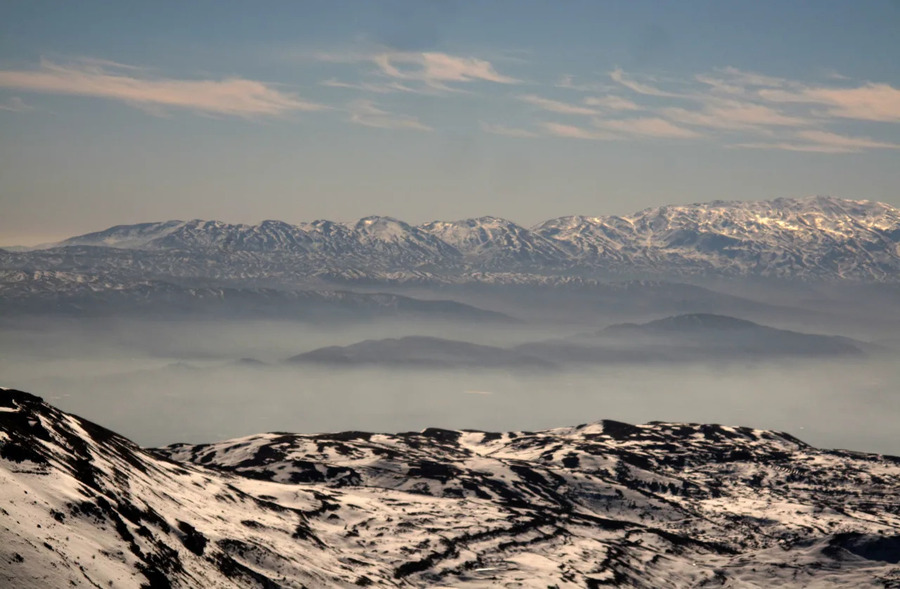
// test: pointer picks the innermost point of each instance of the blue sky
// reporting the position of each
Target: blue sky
(117, 112)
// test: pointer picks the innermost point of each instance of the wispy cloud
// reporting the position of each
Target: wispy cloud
(733, 80)
(438, 69)
(726, 105)
(733, 115)
(101, 79)
(15, 104)
(557, 106)
(434, 71)
(569, 82)
(787, 146)
(589, 106)
(617, 129)
(867, 102)
(729, 105)
(870, 102)
(824, 142)
(826, 138)
(611, 102)
(365, 112)
(388, 87)
(575, 132)
(362, 86)
(620, 77)
(507, 131)
(647, 127)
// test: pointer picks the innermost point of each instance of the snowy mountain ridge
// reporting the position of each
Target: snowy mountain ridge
(806, 237)
(602, 504)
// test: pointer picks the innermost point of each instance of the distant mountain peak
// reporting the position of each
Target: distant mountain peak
(814, 237)
(381, 221)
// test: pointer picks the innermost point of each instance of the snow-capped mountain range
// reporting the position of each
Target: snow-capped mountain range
(815, 237)
(602, 504)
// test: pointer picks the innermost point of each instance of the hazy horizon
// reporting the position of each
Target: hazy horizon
(175, 381)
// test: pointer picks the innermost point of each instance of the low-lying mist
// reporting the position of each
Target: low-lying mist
(160, 383)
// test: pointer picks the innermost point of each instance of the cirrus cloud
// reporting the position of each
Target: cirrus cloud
(611, 102)
(647, 127)
(870, 102)
(101, 79)
(15, 104)
(575, 132)
(507, 131)
(733, 115)
(557, 106)
(438, 69)
(425, 72)
(729, 106)
(364, 112)
(620, 77)
(823, 142)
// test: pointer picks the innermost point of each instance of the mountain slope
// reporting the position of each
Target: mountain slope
(607, 504)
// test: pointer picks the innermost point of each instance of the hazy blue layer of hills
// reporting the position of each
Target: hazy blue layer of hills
(717, 335)
(683, 338)
(78, 296)
(421, 352)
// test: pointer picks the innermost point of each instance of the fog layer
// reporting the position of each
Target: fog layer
(165, 382)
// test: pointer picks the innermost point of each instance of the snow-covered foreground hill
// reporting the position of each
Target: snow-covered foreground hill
(606, 504)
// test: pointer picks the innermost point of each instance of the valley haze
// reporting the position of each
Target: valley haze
(775, 314)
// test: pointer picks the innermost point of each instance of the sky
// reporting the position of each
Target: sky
(124, 112)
